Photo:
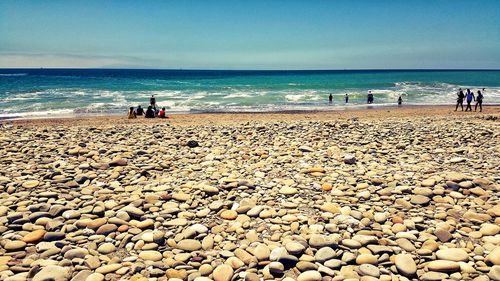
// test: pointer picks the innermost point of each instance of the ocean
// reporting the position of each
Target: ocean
(55, 92)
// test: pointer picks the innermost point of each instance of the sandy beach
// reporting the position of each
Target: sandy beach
(408, 193)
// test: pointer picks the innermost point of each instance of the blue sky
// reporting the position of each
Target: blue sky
(233, 34)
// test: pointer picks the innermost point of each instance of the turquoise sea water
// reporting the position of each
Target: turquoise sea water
(25, 92)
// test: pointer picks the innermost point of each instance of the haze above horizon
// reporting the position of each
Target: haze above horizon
(244, 35)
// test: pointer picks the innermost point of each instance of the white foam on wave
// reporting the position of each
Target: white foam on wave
(238, 95)
(13, 74)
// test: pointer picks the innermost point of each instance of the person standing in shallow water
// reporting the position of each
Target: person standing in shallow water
(469, 97)
(460, 99)
(400, 101)
(346, 98)
(330, 99)
(152, 102)
(370, 97)
(479, 100)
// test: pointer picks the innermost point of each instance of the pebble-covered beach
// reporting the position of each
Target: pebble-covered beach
(337, 196)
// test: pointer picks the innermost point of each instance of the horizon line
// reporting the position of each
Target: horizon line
(222, 69)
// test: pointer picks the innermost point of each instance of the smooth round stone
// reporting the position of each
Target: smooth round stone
(489, 229)
(262, 252)
(494, 256)
(433, 276)
(380, 217)
(370, 270)
(105, 269)
(150, 255)
(287, 190)
(326, 186)
(53, 273)
(276, 267)
(405, 265)
(250, 276)
(95, 277)
(452, 255)
(443, 266)
(305, 266)
(428, 182)
(324, 254)
(351, 243)
(199, 228)
(205, 269)
(223, 272)
(229, 215)
(71, 214)
(494, 273)
(77, 253)
(331, 208)
(419, 199)
(145, 224)
(34, 236)
(294, 248)
(333, 263)
(366, 259)
(443, 235)
(176, 222)
(106, 248)
(31, 183)
(310, 275)
(14, 245)
(106, 229)
(189, 245)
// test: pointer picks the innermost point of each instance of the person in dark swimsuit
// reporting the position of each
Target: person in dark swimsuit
(330, 98)
(346, 98)
(139, 111)
(460, 99)
(152, 101)
(150, 113)
(479, 101)
(469, 97)
(400, 101)
(370, 97)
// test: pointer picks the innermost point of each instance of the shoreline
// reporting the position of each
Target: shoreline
(239, 117)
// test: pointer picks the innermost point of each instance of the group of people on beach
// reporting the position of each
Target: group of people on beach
(152, 111)
(370, 98)
(469, 97)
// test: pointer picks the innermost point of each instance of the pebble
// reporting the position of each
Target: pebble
(52, 272)
(223, 273)
(189, 245)
(150, 255)
(309, 275)
(405, 265)
(452, 255)
(443, 266)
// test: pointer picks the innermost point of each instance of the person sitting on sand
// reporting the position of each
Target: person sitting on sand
(150, 113)
(470, 97)
(140, 111)
(330, 98)
(479, 101)
(460, 99)
(400, 101)
(131, 113)
(162, 113)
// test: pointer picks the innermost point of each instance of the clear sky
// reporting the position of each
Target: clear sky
(251, 34)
